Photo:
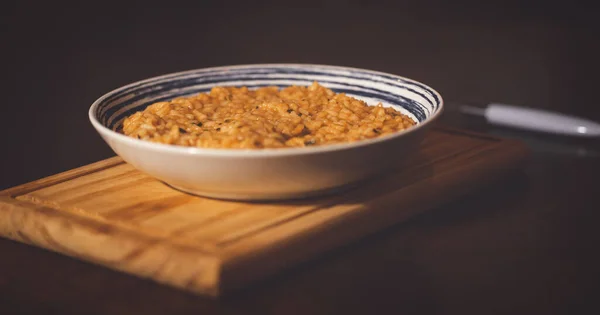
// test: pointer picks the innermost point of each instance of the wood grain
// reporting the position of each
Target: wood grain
(110, 214)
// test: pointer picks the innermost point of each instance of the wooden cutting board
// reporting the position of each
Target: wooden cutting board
(110, 214)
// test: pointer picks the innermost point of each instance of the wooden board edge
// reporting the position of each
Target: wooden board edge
(159, 260)
(41, 224)
(242, 267)
(62, 177)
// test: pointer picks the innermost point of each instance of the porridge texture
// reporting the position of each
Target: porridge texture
(268, 117)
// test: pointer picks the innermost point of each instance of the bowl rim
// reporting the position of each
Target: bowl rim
(225, 152)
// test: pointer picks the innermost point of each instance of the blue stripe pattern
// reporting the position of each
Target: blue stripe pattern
(413, 98)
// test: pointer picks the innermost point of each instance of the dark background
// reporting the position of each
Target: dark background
(59, 57)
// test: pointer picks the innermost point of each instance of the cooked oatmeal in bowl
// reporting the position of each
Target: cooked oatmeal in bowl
(267, 131)
(268, 117)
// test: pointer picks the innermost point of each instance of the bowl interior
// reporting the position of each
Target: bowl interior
(412, 98)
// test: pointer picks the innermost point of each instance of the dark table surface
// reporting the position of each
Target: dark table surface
(524, 245)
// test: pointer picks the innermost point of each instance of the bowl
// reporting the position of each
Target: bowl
(268, 174)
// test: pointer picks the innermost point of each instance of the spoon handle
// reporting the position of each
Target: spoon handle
(534, 119)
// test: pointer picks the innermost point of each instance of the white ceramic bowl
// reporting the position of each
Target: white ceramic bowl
(268, 174)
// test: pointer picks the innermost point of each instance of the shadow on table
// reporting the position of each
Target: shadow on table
(381, 268)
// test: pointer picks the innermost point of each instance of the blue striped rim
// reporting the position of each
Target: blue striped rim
(417, 99)
(135, 96)
(278, 69)
(184, 80)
